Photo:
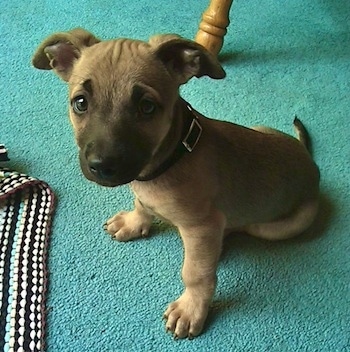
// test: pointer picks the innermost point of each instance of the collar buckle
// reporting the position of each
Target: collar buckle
(194, 133)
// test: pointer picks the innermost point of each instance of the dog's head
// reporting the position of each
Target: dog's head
(122, 95)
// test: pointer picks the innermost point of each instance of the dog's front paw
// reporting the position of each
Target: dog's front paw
(126, 226)
(185, 317)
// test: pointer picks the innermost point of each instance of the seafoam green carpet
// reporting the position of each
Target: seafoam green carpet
(282, 58)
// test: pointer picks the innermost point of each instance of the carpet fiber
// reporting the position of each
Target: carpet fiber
(282, 58)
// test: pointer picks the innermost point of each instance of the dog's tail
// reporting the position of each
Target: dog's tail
(302, 134)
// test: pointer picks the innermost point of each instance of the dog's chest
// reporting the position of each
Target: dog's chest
(151, 197)
(163, 202)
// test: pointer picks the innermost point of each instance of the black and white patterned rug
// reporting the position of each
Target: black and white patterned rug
(26, 209)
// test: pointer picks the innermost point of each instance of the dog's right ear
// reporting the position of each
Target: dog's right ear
(60, 50)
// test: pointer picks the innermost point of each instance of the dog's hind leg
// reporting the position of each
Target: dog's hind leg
(287, 227)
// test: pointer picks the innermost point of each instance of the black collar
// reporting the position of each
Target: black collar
(191, 133)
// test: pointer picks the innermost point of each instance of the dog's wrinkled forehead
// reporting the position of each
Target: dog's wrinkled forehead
(117, 65)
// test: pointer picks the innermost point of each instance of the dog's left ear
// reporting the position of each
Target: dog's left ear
(185, 58)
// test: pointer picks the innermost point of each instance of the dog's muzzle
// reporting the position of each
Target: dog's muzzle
(109, 169)
(101, 169)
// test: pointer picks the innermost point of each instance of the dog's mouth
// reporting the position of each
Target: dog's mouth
(106, 182)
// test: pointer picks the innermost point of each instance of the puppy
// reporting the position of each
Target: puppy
(208, 178)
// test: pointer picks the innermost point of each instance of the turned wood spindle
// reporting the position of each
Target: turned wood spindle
(212, 29)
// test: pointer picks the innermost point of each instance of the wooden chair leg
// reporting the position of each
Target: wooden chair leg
(212, 29)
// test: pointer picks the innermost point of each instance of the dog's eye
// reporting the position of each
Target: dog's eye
(80, 104)
(147, 107)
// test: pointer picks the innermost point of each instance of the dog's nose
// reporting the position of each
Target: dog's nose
(101, 169)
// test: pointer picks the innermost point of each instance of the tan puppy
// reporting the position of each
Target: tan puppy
(206, 177)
